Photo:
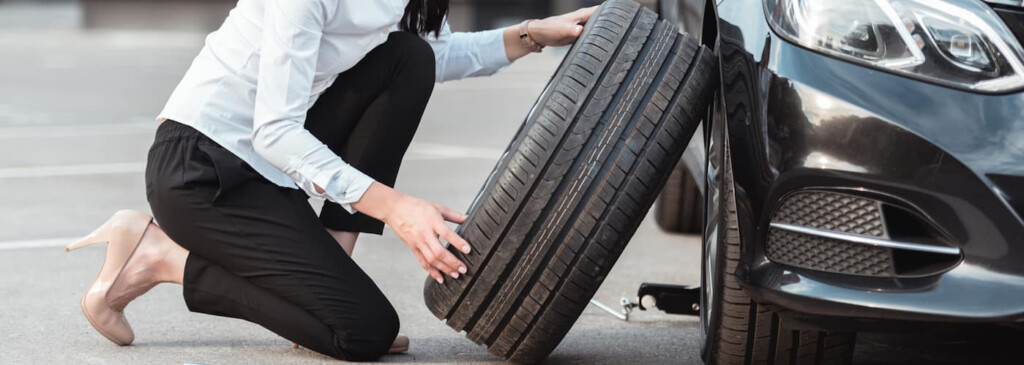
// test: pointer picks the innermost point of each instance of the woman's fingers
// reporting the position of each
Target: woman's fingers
(457, 241)
(578, 18)
(454, 216)
(430, 270)
(450, 215)
(570, 27)
(435, 266)
(450, 262)
(436, 275)
(583, 15)
(442, 259)
(449, 235)
(569, 32)
(449, 259)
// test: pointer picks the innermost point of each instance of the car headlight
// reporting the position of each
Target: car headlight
(961, 43)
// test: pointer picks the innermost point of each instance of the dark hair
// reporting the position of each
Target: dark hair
(424, 16)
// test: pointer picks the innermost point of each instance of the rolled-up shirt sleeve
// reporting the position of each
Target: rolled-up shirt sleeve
(467, 54)
(292, 31)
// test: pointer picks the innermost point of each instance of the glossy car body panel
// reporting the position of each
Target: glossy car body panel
(799, 120)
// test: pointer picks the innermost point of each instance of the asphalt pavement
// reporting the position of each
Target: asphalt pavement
(76, 120)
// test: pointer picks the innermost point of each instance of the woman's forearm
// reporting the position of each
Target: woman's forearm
(378, 201)
(514, 47)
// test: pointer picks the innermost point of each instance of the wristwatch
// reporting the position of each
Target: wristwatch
(527, 40)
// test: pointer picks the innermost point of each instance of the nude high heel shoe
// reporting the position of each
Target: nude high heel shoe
(122, 233)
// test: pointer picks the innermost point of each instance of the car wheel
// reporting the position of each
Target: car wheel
(576, 181)
(680, 207)
(735, 328)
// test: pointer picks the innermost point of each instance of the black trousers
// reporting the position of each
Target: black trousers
(258, 251)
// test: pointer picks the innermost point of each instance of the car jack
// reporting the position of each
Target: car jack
(671, 299)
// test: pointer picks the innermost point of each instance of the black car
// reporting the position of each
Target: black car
(865, 170)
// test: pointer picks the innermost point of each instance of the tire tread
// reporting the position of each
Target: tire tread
(575, 182)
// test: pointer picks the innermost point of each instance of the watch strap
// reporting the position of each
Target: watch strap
(524, 36)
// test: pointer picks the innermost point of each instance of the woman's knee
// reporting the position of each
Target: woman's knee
(412, 45)
(418, 62)
(372, 336)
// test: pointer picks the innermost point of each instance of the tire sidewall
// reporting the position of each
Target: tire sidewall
(713, 247)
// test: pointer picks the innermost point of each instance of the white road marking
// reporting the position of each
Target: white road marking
(40, 243)
(20, 133)
(86, 130)
(420, 151)
(72, 170)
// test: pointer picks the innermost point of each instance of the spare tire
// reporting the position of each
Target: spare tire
(576, 181)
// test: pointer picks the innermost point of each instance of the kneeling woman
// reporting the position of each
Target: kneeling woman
(291, 98)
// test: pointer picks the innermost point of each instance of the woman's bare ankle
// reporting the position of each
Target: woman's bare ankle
(156, 260)
(169, 260)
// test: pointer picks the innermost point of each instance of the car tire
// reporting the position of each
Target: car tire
(680, 207)
(738, 330)
(575, 182)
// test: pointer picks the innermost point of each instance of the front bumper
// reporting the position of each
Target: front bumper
(812, 122)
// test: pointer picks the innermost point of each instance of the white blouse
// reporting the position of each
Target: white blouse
(252, 83)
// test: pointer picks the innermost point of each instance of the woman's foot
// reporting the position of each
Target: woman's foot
(158, 259)
(400, 345)
(138, 257)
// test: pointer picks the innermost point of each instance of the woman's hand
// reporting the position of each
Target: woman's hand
(552, 31)
(559, 30)
(419, 224)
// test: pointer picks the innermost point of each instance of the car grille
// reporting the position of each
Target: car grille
(834, 212)
(847, 234)
(831, 212)
(824, 254)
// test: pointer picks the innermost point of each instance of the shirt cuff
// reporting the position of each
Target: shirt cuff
(344, 189)
(493, 56)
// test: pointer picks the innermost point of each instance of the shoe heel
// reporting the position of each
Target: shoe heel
(97, 236)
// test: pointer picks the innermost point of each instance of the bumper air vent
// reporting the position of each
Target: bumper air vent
(846, 234)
